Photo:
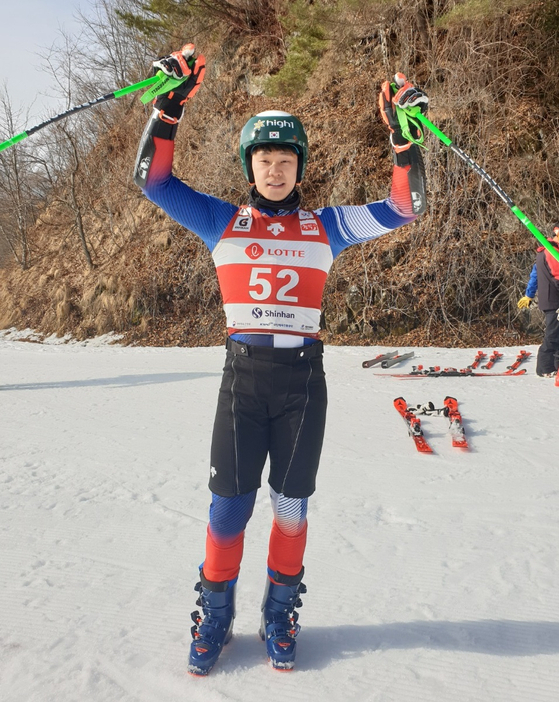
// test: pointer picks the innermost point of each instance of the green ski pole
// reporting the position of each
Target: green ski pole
(160, 83)
(415, 116)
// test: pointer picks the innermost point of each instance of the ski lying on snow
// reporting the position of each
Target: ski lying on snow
(456, 428)
(413, 424)
(477, 360)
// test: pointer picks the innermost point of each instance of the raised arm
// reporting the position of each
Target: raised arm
(347, 225)
(203, 214)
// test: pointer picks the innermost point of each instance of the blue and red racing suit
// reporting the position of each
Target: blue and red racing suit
(272, 266)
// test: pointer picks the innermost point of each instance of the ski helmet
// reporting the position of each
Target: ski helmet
(273, 127)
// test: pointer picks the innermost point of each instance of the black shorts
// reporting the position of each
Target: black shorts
(272, 401)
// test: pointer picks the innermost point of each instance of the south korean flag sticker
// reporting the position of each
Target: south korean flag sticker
(273, 135)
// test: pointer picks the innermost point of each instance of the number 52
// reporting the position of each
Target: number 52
(260, 278)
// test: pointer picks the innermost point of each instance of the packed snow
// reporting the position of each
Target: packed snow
(430, 577)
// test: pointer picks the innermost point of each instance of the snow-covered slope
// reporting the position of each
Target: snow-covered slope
(430, 577)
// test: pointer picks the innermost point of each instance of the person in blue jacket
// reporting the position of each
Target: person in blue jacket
(544, 281)
(272, 258)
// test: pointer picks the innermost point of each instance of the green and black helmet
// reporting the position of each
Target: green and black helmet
(273, 127)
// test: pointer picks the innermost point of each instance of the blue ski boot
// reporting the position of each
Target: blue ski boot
(279, 620)
(212, 632)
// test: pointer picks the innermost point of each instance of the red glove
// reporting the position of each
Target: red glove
(177, 65)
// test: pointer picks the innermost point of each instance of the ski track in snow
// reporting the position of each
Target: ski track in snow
(430, 577)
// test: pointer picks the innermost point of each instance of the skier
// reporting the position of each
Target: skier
(272, 258)
(544, 280)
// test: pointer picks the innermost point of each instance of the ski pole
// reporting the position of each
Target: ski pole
(160, 83)
(415, 114)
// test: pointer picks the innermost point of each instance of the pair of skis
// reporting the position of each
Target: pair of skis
(450, 410)
(387, 360)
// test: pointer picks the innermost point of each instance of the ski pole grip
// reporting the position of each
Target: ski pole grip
(14, 140)
(163, 85)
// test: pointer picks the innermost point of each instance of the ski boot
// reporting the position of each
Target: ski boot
(215, 629)
(279, 625)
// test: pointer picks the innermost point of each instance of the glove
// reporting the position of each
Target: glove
(524, 302)
(177, 65)
(406, 96)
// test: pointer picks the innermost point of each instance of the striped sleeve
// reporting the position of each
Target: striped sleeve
(355, 224)
(203, 214)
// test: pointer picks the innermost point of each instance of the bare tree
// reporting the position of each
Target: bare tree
(20, 188)
(113, 59)
(72, 198)
(118, 57)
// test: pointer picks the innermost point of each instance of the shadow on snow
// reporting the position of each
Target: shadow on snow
(120, 381)
(319, 647)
